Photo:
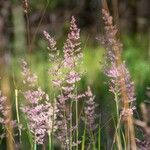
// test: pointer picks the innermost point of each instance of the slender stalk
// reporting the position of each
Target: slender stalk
(99, 138)
(50, 141)
(17, 111)
(67, 138)
(71, 103)
(124, 139)
(83, 138)
(93, 140)
(116, 101)
(35, 146)
(118, 135)
(77, 131)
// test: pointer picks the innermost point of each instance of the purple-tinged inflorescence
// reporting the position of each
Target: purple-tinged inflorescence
(29, 78)
(38, 110)
(72, 54)
(4, 118)
(72, 50)
(90, 110)
(55, 61)
(120, 81)
(51, 41)
(66, 74)
(115, 68)
(3, 109)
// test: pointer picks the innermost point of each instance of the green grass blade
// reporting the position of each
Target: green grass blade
(83, 139)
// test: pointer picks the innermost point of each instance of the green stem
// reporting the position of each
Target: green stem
(93, 140)
(77, 132)
(17, 112)
(117, 107)
(71, 125)
(67, 138)
(35, 147)
(118, 134)
(83, 138)
(50, 141)
(99, 138)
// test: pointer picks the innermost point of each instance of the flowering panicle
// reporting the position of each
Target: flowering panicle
(39, 111)
(55, 62)
(89, 110)
(115, 68)
(51, 41)
(72, 50)
(72, 59)
(29, 78)
(5, 111)
(120, 82)
(66, 75)
(51, 46)
(72, 54)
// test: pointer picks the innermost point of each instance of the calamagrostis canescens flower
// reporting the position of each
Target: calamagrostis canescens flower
(66, 75)
(90, 111)
(4, 119)
(38, 110)
(121, 83)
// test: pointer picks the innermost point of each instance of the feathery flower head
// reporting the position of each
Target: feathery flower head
(64, 76)
(115, 68)
(3, 109)
(90, 110)
(35, 96)
(72, 50)
(29, 78)
(4, 118)
(120, 82)
(51, 41)
(40, 120)
(38, 109)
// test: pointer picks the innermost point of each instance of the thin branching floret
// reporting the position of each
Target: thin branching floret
(38, 110)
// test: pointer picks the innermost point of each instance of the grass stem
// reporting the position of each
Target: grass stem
(50, 141)
(17, 112)
(83, 138)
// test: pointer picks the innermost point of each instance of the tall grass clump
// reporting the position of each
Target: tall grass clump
(65, 72)
(55, 118)
(65, 116)
(38, 110)
(120, 84)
